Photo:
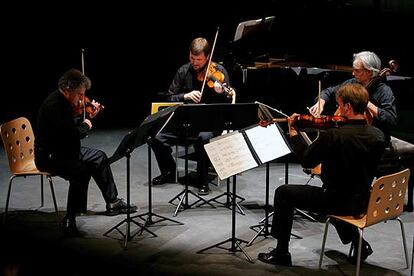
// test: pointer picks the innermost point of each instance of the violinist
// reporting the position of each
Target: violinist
(58, 149)
(187, 86)
(381, 110)
(349, 155)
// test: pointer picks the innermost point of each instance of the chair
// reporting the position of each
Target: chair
(18, 141)
(385, 203)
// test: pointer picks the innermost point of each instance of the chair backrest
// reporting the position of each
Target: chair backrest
(387, 197)
(18, 141)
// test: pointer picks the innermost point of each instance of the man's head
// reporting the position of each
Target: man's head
(199, 53)
(73, 85)
(352, 99)
(366, 65)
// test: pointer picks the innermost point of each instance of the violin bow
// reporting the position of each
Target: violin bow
(209, 62)
(83, 72)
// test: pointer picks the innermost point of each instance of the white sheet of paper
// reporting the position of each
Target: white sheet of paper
(268, 142)
(230, 155)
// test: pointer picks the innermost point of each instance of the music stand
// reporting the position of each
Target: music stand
(228, 203)
(251, 40)
(151, 126)
(235, 242)
(246, 149)
(193, 118)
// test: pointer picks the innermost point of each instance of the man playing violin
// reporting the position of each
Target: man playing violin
(190, 85)
(353, 147)
(381, 111)
(58, 148)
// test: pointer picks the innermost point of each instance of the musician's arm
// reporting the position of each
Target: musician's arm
(384, 101)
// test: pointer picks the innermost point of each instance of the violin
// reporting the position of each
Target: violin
(86, 108)
(303, 121)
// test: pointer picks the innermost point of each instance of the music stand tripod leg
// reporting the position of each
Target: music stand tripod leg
(127, 236)
(235, 242)
(186, 191)
(147, 217)
(228, 196)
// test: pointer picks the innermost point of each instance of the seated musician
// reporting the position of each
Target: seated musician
(58, 149)
(349, 155)
(187, 87)
(381, 110)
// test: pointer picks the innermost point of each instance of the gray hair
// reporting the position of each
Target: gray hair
(369, 60)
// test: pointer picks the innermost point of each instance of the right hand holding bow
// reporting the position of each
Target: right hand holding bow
(194, 96)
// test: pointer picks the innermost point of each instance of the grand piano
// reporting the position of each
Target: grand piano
(290, 83)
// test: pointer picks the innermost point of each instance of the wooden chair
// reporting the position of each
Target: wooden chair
(18, 141)
(385, 203)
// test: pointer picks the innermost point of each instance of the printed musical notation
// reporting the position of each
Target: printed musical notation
(243, 150)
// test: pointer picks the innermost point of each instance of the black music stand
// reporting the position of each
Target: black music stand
(235, 242)
(190, 119)
(228, 203)
(151, 126)
(246, 149)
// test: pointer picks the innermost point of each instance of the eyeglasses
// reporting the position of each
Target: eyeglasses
(358, 70)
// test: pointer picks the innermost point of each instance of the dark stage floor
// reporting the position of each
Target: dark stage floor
(31, 243)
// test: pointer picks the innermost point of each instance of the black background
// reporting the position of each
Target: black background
(132, 50)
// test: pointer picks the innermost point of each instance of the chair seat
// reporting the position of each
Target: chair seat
(359, 222)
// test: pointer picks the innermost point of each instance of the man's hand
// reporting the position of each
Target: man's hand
(291, 122)
(314, 110)
(88, 122)
(194, 95)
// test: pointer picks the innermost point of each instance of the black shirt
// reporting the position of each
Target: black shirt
(349, 156)
(185, 81)
(57, 133)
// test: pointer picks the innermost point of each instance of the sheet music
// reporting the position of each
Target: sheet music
(268, 142)
(230, 154)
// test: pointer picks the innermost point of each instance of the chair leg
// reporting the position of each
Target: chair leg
(325, 234)
(404, 242)
(54, 199)
(42, 198)
(7, 199)
(358, 268)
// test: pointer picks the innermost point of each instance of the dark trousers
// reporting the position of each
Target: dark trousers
(91, 163)
(310, 198)
(161, 145)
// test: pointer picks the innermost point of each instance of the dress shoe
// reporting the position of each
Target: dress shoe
(366, 250)
(168, 177)
(119, 206)
(204, 190)
(275, 258)
(70, 229)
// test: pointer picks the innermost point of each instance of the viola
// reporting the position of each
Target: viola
(215, 77)
(303, 121)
